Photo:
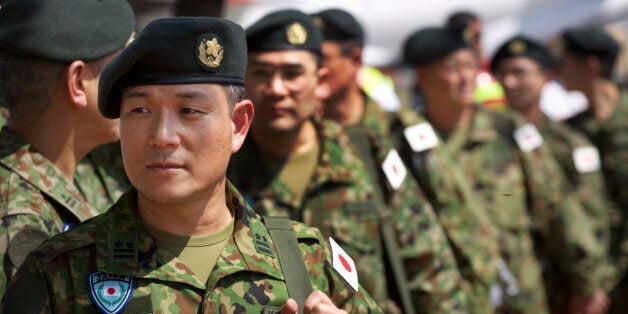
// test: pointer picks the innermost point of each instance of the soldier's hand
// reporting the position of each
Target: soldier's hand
(597, 303)
(316, 302)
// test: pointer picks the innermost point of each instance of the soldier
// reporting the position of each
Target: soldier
(523, 66)
(183, 240)
(510, 169)
(374, 133)
(587, 66)
(297, 165)
(54, 123)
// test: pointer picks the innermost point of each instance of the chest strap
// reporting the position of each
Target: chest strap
(290, 258)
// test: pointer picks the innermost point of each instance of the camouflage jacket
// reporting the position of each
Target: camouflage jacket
(36, 202)
(247, 277)
(611, 139)
(526, 193)
(567, 145)
(465, 220)
(100, 176)
(340, 202)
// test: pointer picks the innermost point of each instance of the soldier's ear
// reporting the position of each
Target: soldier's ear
(241, 119)
(77, 83)
(323, 90)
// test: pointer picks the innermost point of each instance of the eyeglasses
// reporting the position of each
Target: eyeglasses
(292, 77)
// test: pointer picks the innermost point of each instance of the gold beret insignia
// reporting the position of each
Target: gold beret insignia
(296, 34)
(517, 47)
(318, 21)
(210, 52)
(467, 36)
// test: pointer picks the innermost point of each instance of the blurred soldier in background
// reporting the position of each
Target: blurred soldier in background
(375, 133)
(586, 65)
(523, 66)
(49, 74)
(511, 169)
(488, 91)
(297, 165)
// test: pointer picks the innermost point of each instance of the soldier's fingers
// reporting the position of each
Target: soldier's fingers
(318, 302)
(290, 307)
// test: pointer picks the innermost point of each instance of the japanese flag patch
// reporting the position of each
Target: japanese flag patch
(343, 265)
(586, 159)
(421, 137)
(528, 138)
(394, 169)
(110, 293)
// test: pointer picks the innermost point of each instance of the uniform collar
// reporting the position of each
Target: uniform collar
(125, 247)
(21, 158)
(334, 165)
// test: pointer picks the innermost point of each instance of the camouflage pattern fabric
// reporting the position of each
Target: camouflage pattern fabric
(340, 202)
(526, 194)
(36, 202)
(590, 190)
(247, 277)
(100, 176)
(466, 222)
(611, 139)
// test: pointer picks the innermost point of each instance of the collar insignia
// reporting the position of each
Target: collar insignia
(210, 51)
(110, 293)
(296, 34)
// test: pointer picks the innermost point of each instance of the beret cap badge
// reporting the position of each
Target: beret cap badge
(210, 52)
(296, 34)
(517, 47)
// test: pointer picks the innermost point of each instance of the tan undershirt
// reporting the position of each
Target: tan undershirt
(298, 169)
(199, 253)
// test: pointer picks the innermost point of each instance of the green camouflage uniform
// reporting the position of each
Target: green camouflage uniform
(100, 176)
(247, 277)
(469, 228)
(340, 202)
(526, 194)
(611, 139)
(36, 202)
(590, 190)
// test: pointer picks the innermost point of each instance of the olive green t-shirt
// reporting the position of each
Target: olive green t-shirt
(199, 253)
(297, 171)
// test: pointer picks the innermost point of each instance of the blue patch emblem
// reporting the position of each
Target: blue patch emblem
(109, 292)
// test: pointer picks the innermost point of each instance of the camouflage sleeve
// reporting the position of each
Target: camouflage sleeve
(567, 235)
(28, 290)
(318, 260)
(20, 233)
(433, 276)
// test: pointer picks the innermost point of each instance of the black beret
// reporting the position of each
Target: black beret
(592, 41)
(179, 50)
(430, 44)
(284, 30)
(522, 46)
(66, 30)
(337, 24)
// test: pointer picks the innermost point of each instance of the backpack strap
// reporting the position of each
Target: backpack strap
(290, 258)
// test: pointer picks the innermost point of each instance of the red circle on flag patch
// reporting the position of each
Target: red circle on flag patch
(111, 290)
(344, 263)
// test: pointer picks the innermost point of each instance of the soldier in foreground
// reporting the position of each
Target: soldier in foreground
(183, 240)
(376, 134)
(49, 75)
(523, 66)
